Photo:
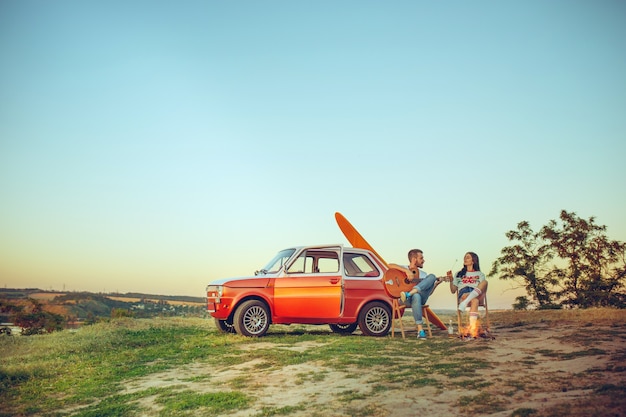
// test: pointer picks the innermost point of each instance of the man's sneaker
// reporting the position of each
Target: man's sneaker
(421, 334)
(403, 296)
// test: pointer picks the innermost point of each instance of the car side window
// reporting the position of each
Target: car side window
(302, 265)
(328, 265)
(359, 265)
(315, 261)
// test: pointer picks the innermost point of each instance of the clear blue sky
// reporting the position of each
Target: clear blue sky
(153, 146)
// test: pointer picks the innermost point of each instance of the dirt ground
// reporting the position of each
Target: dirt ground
(539, 370)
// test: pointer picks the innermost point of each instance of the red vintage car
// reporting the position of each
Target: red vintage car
(327, 284)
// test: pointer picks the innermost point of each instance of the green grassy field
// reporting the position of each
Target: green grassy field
(122, 368)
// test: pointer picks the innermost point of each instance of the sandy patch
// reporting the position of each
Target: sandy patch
(537, 368)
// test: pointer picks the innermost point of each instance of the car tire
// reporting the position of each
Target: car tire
(225, 326)
(343, 328)
(252, 318)
(375, 319)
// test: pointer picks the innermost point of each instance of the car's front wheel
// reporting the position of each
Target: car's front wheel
(252, 318)
(225, 326)
(375, 319)
(343, 328)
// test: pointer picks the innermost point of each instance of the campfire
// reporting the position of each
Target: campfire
(477, 331)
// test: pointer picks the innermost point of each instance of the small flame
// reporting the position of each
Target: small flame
(473, 331)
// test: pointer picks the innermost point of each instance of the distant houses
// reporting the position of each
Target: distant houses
(10, 329)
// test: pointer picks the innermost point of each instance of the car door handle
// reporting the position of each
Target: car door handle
(334, 280)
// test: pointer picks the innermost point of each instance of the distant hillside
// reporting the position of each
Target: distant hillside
(182, 298)
(18, 292)
(30, 292)
(88, 306)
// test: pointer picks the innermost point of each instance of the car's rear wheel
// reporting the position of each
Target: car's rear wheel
(225, 326)
(252, 318)
(375, 319)
(343, 328)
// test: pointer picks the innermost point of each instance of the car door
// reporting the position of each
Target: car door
(312, 286)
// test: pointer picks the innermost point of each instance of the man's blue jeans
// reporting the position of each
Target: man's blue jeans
(425, 287)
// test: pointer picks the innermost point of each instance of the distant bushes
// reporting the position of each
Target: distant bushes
(32, 318)
(36, 316)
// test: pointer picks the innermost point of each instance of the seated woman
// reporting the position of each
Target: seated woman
(471, 284)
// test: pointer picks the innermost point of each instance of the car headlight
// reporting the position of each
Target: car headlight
(214, 291)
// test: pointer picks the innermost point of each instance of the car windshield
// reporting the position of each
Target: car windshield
(277, 262)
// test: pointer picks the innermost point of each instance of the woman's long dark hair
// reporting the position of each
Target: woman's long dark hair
(476, 266)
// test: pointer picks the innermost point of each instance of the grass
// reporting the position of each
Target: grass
(570, 355)
(280, 411)
(177, 402)
(97, 371)
(588, 317)
(483, 403)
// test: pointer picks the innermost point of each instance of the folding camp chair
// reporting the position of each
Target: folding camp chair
(397, 313)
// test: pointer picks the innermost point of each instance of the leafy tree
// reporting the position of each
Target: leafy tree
(526, 261)
(594, 268)
(522, 303)
(586, 268)
(91, 318)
